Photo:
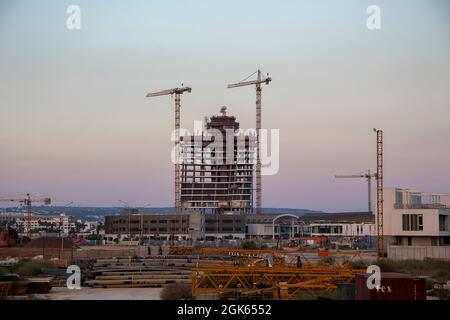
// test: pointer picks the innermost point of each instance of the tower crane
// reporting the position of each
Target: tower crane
(177, 92)
(258, 84)
(369, 175)
(380, 200)
(27, 201)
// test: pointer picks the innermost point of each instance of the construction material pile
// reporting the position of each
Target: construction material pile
(14, 285)
(58, 276)
(152, 271)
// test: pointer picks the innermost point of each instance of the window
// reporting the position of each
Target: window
(412, 222)
(443, 223)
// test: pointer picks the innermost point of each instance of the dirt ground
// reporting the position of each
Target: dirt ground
(87, 293)
(30, 252)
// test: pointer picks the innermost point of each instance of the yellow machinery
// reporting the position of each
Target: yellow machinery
(282, 282)
(272, 273)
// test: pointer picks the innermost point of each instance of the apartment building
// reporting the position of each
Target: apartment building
(415, 218)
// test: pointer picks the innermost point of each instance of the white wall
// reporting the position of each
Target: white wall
(418, 252)
(260, 229)
(348, 229)
(392, 218)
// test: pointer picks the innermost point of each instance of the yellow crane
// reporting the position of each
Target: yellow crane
(27, 201)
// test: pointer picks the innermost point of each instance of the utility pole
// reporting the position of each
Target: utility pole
(380, 231)
(258, 84)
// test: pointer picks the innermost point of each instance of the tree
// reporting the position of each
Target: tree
(99, 227)
(13, 234)
(79, 226)
(72, 232)
(248, 245)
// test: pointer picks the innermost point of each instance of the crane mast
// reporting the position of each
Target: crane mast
(27, 202)
(380, 231)
(258, 84)
(369, 175)
(177, 92)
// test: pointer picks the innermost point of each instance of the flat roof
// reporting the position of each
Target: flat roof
(354, 217)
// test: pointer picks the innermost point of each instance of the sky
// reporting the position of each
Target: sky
(75, 124)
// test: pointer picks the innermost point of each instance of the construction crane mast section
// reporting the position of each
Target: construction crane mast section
(177, 92)
(27, 201)
(369, 175)
(169, 91)
(258, 84)
(379, 177)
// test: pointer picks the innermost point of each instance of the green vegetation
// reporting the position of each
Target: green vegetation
(176, 291)
(359, 264)
(28, 267)
(249, 245)
(327, 261)
(438, 270)
(94, 237)
(252, 245)
(3, 271)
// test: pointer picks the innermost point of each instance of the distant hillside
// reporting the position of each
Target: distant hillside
(94, 213)
(298, 212)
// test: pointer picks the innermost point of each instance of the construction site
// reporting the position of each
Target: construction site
(218, 244)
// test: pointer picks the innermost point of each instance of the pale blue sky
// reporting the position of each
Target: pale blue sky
(75, 123)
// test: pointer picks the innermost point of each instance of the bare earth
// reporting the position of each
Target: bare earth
(103, 294)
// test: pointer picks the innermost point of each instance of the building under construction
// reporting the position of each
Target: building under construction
(217, 168)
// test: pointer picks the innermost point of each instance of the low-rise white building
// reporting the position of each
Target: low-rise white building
(415, 218)
(344, 224)
(47, 223)
(342, 229)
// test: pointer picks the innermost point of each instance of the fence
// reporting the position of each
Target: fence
(418, 252)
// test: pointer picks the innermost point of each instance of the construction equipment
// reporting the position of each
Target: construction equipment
(278, 277)
(27, 201)
(258, 82)
(369, 177)
(220, 280)
(379, 177)
(177, 92)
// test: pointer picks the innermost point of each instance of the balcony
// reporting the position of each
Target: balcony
(421, 206)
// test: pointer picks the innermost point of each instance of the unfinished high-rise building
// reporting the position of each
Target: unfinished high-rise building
(217, 168)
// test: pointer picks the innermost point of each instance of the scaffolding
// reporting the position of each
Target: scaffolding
(217, 176)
